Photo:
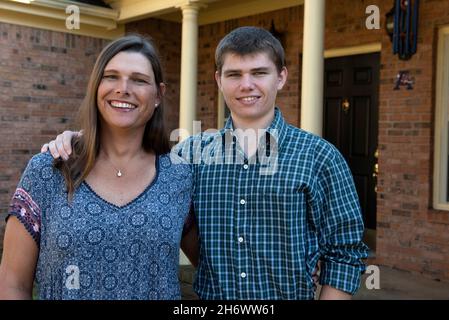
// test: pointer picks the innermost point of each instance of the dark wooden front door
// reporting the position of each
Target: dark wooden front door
(351, 121)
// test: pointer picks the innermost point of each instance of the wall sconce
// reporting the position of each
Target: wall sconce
(389, 23)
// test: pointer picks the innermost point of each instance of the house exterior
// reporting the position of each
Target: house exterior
(45, 62)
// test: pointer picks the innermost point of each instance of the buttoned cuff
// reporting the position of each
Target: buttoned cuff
(341, 276)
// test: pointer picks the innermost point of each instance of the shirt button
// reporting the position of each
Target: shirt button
(243, 275)
(240, 239)
(245, 166)
(242, 201)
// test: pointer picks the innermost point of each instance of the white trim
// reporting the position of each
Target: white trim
(349, 51)
(218, 10)
(51, 15)
(32, 21)
(40, 6)
(139, 10)
(189, 69)
(440, 170)
(313, 66)
(84, 8)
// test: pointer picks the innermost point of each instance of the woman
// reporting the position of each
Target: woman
(107, 223)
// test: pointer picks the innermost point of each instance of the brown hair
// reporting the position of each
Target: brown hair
(250, 40)
(86, 148)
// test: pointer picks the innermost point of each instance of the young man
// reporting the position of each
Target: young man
(270, 200)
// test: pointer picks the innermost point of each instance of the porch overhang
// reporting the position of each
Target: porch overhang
(109, 23)
(95, 21)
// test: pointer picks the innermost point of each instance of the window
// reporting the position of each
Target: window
(441, 154)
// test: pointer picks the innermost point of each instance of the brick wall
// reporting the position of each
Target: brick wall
(43, 79)
(411, 235)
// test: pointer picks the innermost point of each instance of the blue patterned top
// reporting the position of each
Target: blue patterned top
(92, 249)
(264, 222)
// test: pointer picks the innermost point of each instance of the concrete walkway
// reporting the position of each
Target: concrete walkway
(402, 285)
(394, 285)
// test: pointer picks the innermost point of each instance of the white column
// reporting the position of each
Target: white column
(189, 76)
(189, 68)
(313, 67)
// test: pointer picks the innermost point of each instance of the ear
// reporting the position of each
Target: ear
(218, 79)
(161, 93)
(282, 77)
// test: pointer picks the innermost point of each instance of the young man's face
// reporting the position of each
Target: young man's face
(249, 85)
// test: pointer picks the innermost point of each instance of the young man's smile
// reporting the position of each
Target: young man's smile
(250, 84)
(249, 100)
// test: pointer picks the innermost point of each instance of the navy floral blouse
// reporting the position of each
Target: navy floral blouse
(92, 249)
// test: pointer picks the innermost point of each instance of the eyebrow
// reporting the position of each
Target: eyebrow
(134, 73)
(265, 69)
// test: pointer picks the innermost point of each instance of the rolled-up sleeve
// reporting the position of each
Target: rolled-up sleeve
(339, 225)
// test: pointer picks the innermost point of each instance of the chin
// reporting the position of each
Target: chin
(120, 124)
(251, 114)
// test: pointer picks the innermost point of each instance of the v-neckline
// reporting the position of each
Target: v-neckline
(133, 200)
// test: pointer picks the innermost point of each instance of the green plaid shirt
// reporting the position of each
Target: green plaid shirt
(264, 224)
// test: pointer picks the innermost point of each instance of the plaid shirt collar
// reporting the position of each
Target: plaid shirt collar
(277, 128)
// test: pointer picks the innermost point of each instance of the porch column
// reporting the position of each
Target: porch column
(189, 75)
(313, 67)
(189, 66)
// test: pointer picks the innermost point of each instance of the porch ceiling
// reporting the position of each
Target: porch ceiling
(109, 23)
(95, 21)
(213, 10)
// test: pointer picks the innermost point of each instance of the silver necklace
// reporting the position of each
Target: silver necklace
(118, 171)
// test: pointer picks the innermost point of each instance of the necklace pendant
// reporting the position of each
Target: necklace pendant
(119, 173)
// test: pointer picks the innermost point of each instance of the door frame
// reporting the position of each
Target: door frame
(353, 50)
(369, 236)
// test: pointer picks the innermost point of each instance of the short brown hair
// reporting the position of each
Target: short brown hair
(250, 40)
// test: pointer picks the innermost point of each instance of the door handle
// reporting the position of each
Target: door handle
(375, 174)
(345, 105)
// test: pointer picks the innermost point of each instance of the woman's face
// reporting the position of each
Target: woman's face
(128, 94)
